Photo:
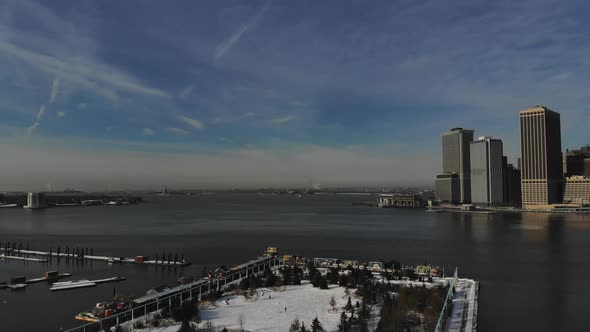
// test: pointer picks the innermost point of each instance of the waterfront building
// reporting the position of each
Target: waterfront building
(456, 160)
(511, 175)
(397, 200)
(587, 166)
(542, 166)
(36, 201)
(447, 188)
(487, 179)
(577, 190)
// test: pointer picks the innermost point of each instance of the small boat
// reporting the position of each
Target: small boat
(87, 317)
(17, 286)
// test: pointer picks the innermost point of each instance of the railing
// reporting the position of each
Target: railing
(444, 313)
(196, 289)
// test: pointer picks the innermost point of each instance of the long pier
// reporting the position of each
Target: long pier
(146, 305)
(108, 259)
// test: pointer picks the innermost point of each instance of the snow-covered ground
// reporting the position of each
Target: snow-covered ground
(266, 309)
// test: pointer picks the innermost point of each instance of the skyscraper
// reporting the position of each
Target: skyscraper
(453, 184)
(542, 166)
(487, 182)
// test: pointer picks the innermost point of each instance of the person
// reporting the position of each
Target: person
(285, 309)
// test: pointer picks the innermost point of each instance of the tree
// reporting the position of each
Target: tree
(187, 311)
(348, 304)
(333, 275)
(302, 329)
(316, 326)
(323, 283)
(295, 326)
(343, 324)
(186, 327)
(333, 303)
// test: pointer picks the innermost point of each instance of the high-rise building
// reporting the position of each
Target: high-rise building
(486, 164)
(456, 160)
(541, 165)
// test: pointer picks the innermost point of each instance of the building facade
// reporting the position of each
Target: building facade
(573, 163)
(403, 201)
(577, 190)
(447, 188)
(36, 201)
(456, 159)
(487, 179)
(512, 193)
(541, 163)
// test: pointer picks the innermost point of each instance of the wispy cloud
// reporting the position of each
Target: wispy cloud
(227, 44)
(184, 93)
(283, 119)
(82, 72)
(178, 131)
(147, 132)
(38, 118)
(61, 114)
(191, 122)
(54, 90)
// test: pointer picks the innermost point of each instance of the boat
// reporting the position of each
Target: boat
(17, 286)
(87, 317)
(71, 285)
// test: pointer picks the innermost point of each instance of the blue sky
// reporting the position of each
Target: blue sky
(247, 93)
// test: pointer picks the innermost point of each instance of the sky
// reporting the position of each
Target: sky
(233, 94)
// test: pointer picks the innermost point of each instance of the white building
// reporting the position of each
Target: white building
(36, 201)
(487, 182)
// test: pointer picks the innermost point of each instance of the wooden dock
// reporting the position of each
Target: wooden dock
(23, 255)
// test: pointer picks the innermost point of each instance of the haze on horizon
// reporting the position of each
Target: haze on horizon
(233, 94)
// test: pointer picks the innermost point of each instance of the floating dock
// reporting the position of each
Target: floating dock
(19, 258)
(108, 259)
(82, 283)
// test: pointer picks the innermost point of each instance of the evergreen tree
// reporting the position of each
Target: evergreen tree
(303, 329)
(348, 304)
(323, 283)
(343, 324)
(333, 303)
(316, 326)
(295, 326)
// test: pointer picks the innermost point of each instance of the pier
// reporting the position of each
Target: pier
(23, 255)
(146, 305)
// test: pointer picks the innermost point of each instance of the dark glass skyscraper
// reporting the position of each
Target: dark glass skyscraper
(542, 166)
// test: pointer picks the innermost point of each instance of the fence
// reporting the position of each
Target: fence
(198, 289)
(444, 313)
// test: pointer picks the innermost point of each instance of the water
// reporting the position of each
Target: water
(533, 268)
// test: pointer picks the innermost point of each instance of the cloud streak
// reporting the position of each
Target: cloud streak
(227, 44)
(191, 122)
(178, 131)
(283, 120)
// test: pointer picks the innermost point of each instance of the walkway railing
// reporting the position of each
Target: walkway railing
(197, 289)
(444, 313)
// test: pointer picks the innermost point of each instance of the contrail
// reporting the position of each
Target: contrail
(52, 96)
(227, 45)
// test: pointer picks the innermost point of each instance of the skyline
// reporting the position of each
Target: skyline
(263, 93)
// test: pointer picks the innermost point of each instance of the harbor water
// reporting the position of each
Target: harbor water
(533, 268)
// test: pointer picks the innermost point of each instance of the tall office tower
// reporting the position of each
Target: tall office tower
(542, 166)
(487, 182)
(456, 159)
